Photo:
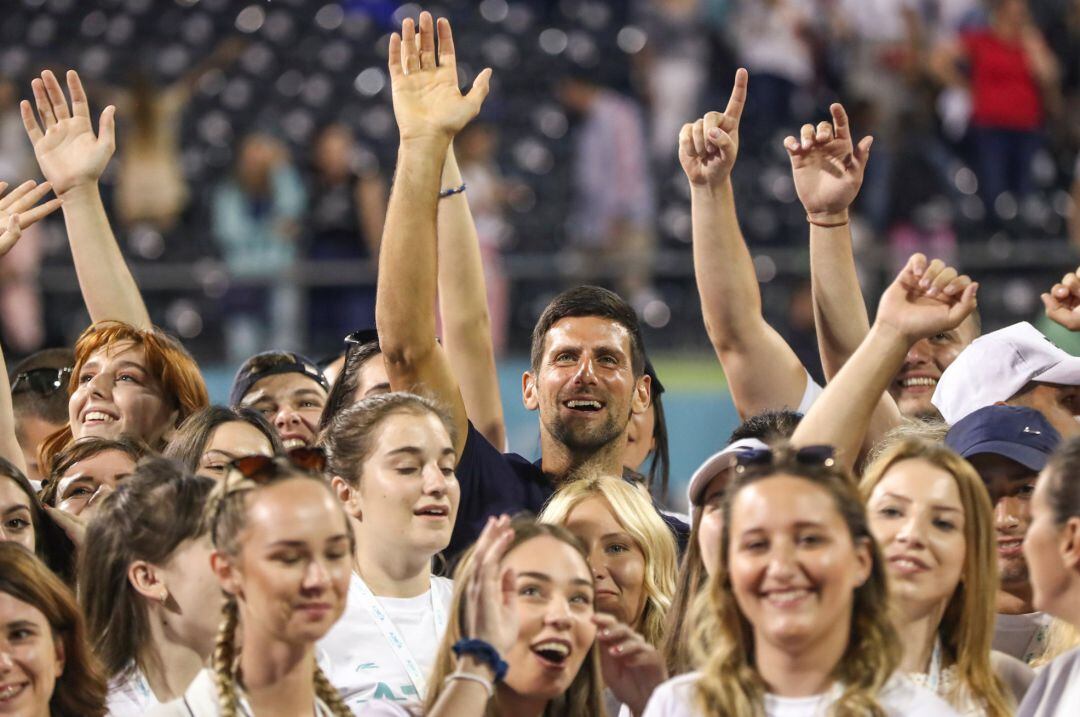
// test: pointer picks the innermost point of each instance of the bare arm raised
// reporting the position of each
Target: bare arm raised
(72, 158)
(430, 109)
(762, 371)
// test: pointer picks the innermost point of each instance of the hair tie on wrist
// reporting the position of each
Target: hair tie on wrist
(471, 678)
(828, 225)
(452, 191)
(485, 653)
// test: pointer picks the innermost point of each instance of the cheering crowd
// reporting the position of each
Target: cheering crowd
(354, 540)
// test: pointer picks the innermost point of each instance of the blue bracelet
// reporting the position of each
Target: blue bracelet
(452, 191)
(485, 653)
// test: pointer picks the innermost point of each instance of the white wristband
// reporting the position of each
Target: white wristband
(472, 678)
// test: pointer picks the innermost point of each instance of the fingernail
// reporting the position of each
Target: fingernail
(605, 632)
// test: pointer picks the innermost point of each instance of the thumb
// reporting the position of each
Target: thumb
(480, 88)
(107, 127)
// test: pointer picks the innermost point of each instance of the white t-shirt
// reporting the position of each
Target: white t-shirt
(201, 700)
(358, 659)
(131, 697)
(813, 390)
(1056, 691)
(900, 698)
(1022, 636)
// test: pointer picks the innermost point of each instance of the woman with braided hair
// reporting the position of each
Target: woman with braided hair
(282, 555)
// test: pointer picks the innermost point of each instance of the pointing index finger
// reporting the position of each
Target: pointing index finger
(737, 101)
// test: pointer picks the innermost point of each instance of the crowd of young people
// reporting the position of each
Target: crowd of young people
(356, 541)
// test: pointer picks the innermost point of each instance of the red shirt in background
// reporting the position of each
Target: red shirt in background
(1004, 93)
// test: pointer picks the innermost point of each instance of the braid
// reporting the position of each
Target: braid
(224, 655)
(329, 694)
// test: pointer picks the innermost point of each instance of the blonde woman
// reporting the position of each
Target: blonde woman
(795, 613)
(931, 515)
(282, 554)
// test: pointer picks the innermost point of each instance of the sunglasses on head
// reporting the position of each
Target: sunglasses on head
(807, 456)
(263, 469)
(41, 380)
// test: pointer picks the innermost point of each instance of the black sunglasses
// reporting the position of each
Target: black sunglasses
(807, 456)
(263, 469)
(41, 380)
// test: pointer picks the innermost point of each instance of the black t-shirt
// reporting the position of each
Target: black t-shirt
(493, 483)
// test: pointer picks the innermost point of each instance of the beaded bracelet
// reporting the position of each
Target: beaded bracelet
(471, 678)
(452, 191)
(485, 653)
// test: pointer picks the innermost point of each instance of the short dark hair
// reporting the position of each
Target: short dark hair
(767, 426)
(189, 442)
(1063, 488)
(344, 389)
(589, 301)
(51, 407)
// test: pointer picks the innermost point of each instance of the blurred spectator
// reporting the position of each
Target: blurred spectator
(256, 216)
(344, 222)
(1012, 77)
(613, 213)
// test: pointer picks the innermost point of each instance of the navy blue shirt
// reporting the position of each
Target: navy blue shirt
(493, 483)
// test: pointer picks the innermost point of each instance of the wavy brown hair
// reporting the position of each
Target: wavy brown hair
(81, 688)
(678, 627)
(724, 638)
(967, 625)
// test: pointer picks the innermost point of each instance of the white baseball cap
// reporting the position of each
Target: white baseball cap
(713, 465)
(997, 365)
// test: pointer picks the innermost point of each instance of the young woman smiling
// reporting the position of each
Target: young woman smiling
(282, 551)
(794, 618)
(46, 667)
(146, 588)
(391, 459)
(931, 515)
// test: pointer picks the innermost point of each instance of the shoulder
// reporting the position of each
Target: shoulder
(199, 700)
(443, 588)
(1049, 693)
(481, 461)
(901, 696)
(674, 698)
(1016, 674)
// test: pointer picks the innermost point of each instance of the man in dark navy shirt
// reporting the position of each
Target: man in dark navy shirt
(587, 373)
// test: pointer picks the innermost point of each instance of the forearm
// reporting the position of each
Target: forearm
(464, 310)
(840, 315)
(107, 286)
(841, 414)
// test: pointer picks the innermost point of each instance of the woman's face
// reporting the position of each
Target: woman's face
(1051, 578)
(615, 558)
(639, 438)
(229, 441)
(554, 607)
(193, 609)
(31, 659)
(917, 518)
(117, 395)
(17, 515)
(292, 573)
(711, 527)
(77, 488)
(408, 495)
(793, 564)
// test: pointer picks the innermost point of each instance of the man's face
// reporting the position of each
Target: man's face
(925, 362)
(585, 387)
(1058, 404)
(292, 402)
(1011, 486)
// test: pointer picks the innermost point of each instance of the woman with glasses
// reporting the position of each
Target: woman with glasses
(391, 462)
(145, 586)
(282, 554)
(210, 438)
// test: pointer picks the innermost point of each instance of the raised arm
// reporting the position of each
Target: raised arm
(430, 110)
(924, 300)
(72, 159)
(464, 310)
(762, 371)
(17, 212)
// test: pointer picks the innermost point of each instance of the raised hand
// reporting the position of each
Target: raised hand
(709, 146)
(18, 210)
(427, 99)
(490, 615)
(926, 299)
(1062, 302)
(69, 153)
(632, 668)
(828, 168)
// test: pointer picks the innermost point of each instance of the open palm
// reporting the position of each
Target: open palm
(67, 150)
(827, 167)
(20, 209)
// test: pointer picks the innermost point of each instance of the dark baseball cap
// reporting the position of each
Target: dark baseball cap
(1020, 434)
(270, 363)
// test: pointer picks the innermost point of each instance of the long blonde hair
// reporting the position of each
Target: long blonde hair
(967, 625)
(689, 583)
(585, 696)
(724, 639)
(636, 514)
(227, 516)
